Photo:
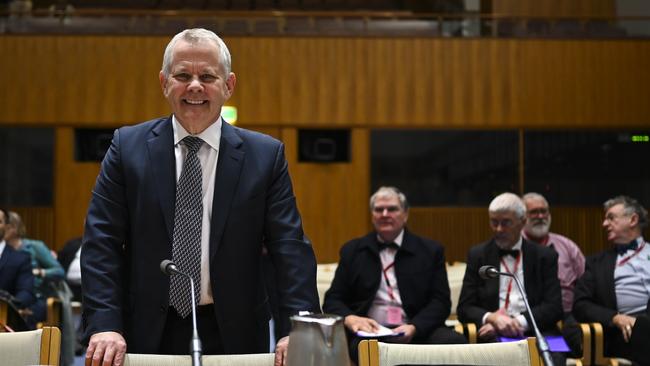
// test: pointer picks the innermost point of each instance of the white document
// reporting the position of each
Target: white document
(382, 332)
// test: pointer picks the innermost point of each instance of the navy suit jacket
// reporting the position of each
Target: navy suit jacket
(421, 279)
(129, 232)
(16, 276)
(595, 297)
(541, 284)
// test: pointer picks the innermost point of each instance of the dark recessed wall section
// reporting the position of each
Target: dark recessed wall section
(91, 144)
(27, 161)
(324, 146)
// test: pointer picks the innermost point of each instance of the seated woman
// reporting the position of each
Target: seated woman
(46, 269)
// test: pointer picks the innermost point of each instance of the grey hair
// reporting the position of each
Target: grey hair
(508, 202)
(387, 191)
(630, 206)
(534, 196)
(194, 36)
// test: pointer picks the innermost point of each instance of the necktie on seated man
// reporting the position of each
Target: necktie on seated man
(511, 252)
(622, 248)
(188, 217)
(390, 245)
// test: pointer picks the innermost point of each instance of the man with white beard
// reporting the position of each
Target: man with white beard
(571, 261)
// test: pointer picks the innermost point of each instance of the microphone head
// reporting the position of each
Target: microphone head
(487, 272)
(166, 266)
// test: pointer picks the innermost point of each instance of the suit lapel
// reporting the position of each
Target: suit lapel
(3, 257)
(530, 262)
(163, 163)
(608, 275)
(492, 285)
(229, 166)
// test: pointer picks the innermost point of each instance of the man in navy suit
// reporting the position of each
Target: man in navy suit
(15, 270)
(394, 278)
(246, 200)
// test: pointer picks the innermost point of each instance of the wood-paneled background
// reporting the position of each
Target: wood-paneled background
(358, 83)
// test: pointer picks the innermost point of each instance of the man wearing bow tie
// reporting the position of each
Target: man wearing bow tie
(393, 278)
(496, 305)
(615, 287)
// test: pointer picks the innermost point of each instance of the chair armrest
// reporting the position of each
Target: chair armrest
(368, 352)
(468, 330)
(53, 317)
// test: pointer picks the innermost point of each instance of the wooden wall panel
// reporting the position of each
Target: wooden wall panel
(554, 8)
(73, 185)
(460, 228)
(327, 81)
(332, 197)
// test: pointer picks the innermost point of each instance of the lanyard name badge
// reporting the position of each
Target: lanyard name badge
(514, 273)
(393, 313)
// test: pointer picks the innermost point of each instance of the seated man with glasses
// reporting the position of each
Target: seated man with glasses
(571, 261)
(495, 305)
(394, 278)
(615, 287)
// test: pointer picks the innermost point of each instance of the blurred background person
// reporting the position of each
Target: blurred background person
(570, 266)
(48, 282)
(15, 271)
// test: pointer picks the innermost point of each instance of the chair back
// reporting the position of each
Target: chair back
(520, 353)
(260, 359)
(34, 347)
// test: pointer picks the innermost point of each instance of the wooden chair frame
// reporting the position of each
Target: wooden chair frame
(369, 352)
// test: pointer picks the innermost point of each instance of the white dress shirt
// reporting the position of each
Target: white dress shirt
(207, 154)
(379, 308)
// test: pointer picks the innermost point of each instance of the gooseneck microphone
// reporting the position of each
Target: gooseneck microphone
(196, 349)
(487, 272)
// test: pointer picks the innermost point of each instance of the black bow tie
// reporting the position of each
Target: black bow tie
(622, 248)
(390, 245)
(512, 252)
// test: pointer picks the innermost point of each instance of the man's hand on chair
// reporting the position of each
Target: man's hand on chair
(106, 349)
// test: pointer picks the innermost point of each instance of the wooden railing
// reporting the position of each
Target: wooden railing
(301, 23)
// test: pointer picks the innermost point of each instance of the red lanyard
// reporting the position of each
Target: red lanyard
(627, 259)
(390, 288)
(511, 279)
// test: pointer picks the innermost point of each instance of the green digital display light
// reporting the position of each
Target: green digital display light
(640, 138)
(229, 113)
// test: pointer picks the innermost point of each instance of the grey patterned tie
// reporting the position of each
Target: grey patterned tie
(188, 216)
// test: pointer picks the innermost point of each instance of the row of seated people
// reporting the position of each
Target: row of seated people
(394, 278)
(30, 276)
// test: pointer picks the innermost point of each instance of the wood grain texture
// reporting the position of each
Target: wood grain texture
(343, 82)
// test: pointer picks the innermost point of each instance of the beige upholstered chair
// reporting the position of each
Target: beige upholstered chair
(262, 359)
(521, 353)
(34, 347)
(455, 274)
(324, 277)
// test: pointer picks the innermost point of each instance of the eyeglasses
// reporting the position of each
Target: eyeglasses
(537, 212)
(613, 217)
(505, 223)
(381, 209)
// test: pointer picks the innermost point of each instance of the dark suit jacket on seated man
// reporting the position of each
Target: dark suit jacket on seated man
(404, 287)
(15, 270)
(207, 195)
(615, 287)
(495, 304)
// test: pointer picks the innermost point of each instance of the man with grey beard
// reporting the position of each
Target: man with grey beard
(571, 261)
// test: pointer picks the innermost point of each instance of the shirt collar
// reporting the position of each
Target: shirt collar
(211, 135)
(517, 245)
(2, 246)
(398, 239)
